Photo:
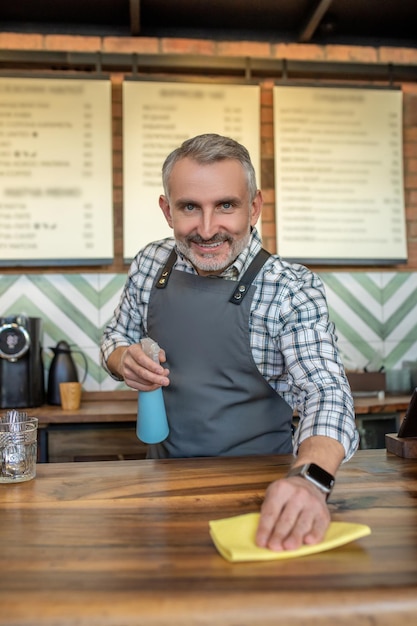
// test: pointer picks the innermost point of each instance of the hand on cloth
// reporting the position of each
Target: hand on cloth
(294, 512)
(234, 538)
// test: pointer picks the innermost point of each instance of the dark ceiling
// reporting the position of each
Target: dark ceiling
(360, 22)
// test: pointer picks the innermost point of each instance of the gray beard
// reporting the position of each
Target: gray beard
(213, 264)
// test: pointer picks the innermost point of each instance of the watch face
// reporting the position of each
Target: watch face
(320, 475)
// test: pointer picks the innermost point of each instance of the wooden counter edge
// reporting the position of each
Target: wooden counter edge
(324, 608)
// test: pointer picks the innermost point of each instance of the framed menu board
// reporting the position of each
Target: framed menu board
(339, 175)
(55, 171)
(157, 118)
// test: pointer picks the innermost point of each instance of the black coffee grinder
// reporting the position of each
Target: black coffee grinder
(21, 365)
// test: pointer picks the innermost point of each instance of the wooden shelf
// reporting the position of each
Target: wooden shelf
(104, 425)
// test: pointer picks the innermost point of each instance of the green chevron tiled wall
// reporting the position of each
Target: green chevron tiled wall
(74, 307)
(375, 315)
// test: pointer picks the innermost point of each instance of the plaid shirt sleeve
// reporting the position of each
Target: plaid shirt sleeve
(298, 354)
(128, 324)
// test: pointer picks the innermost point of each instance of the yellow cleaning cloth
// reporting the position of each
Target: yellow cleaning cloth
(234, 538)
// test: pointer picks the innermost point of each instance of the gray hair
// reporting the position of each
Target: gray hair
(210, 148)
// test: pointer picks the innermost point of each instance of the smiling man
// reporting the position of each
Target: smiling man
(245, 340)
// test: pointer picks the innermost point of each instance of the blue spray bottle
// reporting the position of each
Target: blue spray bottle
(152, 424)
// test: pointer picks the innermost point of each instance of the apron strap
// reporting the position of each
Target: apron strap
(245, 282)
(162, 281)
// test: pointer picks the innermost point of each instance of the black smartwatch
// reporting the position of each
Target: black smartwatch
(316, 475)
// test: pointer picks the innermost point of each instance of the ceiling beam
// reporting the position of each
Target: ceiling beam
(134, 8)
(313, 21)
(198, 68)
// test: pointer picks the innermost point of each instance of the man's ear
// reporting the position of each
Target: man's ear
(166, 209)
(256, 207)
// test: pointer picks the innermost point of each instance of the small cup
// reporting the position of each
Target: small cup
(70, 395)
(18, 449)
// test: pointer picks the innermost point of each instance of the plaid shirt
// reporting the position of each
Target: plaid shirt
(292, 339)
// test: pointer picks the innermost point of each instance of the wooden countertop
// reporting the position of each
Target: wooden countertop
(96, 407)
(127, 544)
(390, 404)
(121, 406)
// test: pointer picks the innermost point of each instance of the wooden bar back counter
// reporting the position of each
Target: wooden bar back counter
(114, 406)
(117, 411)
(127, 543)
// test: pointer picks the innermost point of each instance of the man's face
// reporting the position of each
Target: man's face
(210, 211)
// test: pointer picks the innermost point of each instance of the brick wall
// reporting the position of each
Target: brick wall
(263, 50)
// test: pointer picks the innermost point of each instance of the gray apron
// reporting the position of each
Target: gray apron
(217, 403)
